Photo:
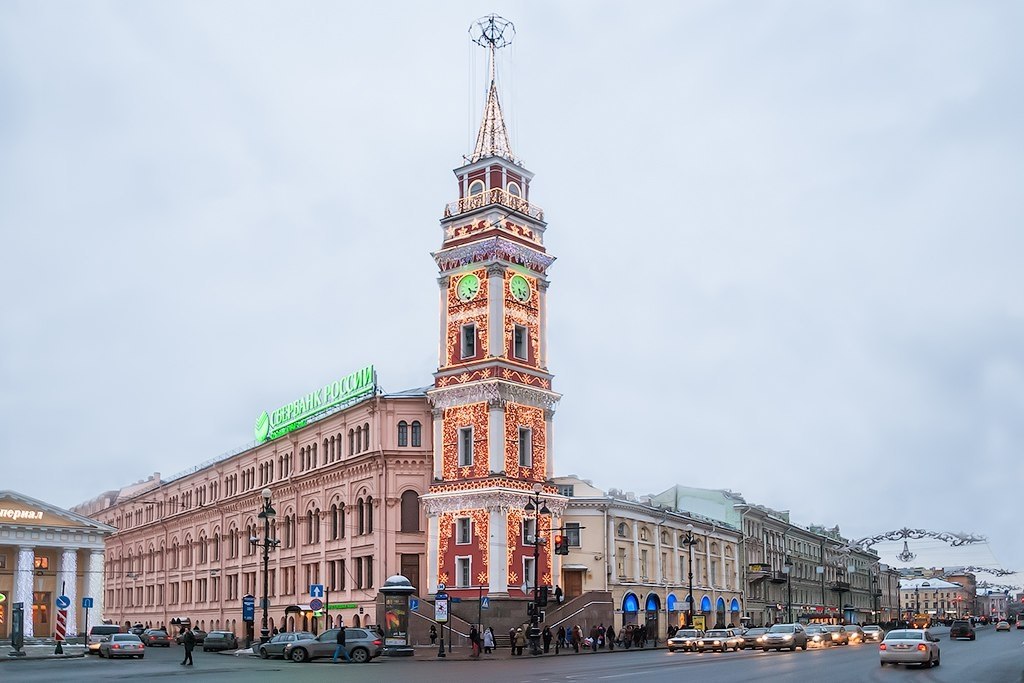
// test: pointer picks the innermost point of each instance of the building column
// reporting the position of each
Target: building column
(611, 560)
(442, 348)
(438, 443)
(542, 292)
(432, 557)
(549, 440)
(67, 578)
(94, 590)
(24, 573)
(497, 565)
(495, 312)
(496, 435)
(657, 555)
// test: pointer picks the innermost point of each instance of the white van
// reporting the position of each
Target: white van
(99, 633)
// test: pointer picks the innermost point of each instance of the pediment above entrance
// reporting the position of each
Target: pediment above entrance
(17, 509)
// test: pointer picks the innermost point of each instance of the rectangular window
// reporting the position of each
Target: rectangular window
(519, 339)
(469, 340)
(566, 490)
(525, 447)
(465, 446)
(572, 530)
(463, 572)
(528, 572)
(529, 529)
(463, 526)
(620, 562)
(643, 565)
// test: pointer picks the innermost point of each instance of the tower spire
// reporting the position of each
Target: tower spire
(492, 32)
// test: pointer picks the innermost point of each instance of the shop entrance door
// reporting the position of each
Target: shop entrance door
(573, 584)
(41, 626)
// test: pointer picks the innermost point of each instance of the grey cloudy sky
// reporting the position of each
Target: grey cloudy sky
(789, 237)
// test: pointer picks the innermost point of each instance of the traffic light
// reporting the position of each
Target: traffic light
(542, 596)
(561, 544)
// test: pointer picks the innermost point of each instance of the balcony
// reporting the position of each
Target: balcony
(777, 577)
(839, 586)
(495, 195)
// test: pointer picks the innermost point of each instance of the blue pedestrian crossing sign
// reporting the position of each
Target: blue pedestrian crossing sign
(316, 590)
(485, 603)
(414, 604)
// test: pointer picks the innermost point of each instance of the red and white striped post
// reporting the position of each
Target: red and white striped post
(62, 627)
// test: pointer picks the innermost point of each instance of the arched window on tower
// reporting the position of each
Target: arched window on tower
(514, 190)
(417, 432)
(410, 511)
(476, 187)
(403, 433)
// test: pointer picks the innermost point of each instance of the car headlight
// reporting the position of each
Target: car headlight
(716, 643)
(787, 637)
(760, 639)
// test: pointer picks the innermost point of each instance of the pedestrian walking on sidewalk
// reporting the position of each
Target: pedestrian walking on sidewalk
(577, 637)
(512, 639)
(488, 640)
(474, 641)
(559, 639)
(433, 634)
(520, 642)
(341, 649)
(546, 637)
(188, 639)
(609, 637)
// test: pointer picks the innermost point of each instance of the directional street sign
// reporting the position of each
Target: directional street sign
(316, 590)
(63, 602)
(485, 603)
(414, 604)
(316, 604)
(87, 603)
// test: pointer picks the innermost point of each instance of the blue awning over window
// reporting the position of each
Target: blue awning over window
(734, 606)
(720, 605)
(630, 603)
(671, 602)
(705, 604)
(653, 603)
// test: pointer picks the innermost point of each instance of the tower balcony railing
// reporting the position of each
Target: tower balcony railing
(495, 195)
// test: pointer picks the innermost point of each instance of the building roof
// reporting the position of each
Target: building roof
(933, 584)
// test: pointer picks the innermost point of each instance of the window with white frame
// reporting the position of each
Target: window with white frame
(572, 531)
(519, 339)
(469, 340)
(529, 530)
(463, 531)
(525, 447)
(465, 446)
(476, 187)
(463, 571)
(528, 572)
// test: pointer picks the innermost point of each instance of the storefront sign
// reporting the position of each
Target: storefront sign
(758, 567)
(342, 605)
(296, 414)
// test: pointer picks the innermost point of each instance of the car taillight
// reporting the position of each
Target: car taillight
(378, 642)
(882, 647)
(117, 647)
(922, 647)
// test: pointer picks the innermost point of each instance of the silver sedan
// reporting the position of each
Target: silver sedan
(275, 648)
(122, 645)
(909, 646)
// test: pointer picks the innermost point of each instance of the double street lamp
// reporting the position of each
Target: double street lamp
(689, 541)
(267, 514)
(536, 507)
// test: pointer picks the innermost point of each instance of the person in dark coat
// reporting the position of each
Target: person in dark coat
(546, 637)
(341, 649)
(560, 639)
(433, 634)
(609, 637)
(188, 639)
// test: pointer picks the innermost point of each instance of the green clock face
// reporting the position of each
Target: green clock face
(520, 288)
(468, 287)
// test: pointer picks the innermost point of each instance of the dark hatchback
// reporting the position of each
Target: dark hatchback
(961, 628)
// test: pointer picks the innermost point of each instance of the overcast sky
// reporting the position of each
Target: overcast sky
(788, 235)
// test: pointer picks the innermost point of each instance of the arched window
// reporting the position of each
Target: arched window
(361, 517)
(366, 436)
(476, 187)
(369, 515)
(334, 521)
(410, 511)
(513, 189)
(309, 527)
(621, 531)
(351, 442)
(341, 520)
(403, 433)
(417, 434)
(216, 547)
(316, 525)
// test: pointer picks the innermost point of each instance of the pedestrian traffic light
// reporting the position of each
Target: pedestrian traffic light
(561, 544)
(542, 596)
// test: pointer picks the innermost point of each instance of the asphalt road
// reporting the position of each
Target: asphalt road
(992, 658)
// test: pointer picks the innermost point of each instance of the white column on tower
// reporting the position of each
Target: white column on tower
(497, 569)
(433, 536)
(542, 293)
(438, 442)
(495, 311)
(549, 440)
(67, 578)
(24, 572)
(496, 435)
(442, 349)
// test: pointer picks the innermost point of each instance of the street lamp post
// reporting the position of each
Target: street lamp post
(689, 540)
(787, 569)
(536, 507)
(266, 514)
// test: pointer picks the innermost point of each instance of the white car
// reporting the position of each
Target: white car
(684, 639)
(910, 646)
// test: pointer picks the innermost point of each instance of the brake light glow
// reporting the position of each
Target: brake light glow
(922, 647)
(882, 647)
(116, 646)
(378, 642)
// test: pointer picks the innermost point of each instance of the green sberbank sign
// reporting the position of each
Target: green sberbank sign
(296, 414)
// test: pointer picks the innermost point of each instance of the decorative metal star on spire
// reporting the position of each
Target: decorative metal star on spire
(492, 32)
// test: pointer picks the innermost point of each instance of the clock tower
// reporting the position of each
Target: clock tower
(492, 396)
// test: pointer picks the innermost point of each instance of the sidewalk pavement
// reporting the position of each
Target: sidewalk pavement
(41, 652)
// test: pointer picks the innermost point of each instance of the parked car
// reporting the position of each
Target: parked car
(1003, 626)
(99, 633)
(910, 646)
(1020, 621)
(155, 637)
(722, 640)
(684, 639)
(122, 645)
(200, 636)
(961, 628)
(783, 636)
(275, 648)
(874, 633)
(362, 645)
(753, 637)
(817, 636)
(855, 633)
(137, 629)
(839, 634)
(220, 640)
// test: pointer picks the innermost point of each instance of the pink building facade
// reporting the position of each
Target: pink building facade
(345, 489)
